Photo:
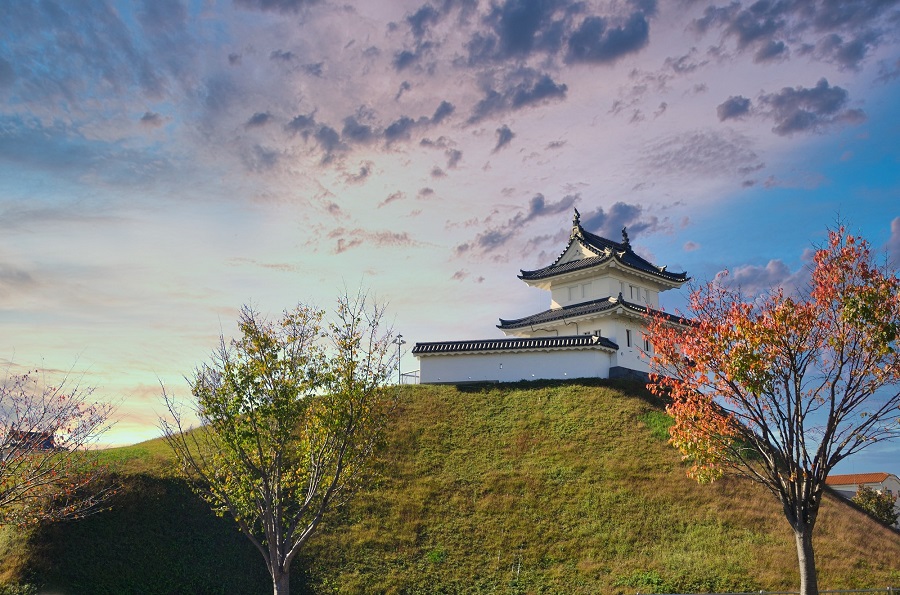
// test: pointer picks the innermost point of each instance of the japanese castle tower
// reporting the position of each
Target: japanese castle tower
(600, 294)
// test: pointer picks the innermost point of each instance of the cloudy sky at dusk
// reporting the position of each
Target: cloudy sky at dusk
(164, 162)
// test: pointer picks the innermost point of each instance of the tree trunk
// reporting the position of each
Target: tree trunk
(281, 582)
(809, 582)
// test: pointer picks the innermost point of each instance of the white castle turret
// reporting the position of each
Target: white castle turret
(600, 294)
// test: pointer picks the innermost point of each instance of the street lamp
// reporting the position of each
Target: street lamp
(398, 341)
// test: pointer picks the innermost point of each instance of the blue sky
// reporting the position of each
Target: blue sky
(164, 162)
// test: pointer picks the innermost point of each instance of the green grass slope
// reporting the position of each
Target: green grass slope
(527, 488)
(569, 488)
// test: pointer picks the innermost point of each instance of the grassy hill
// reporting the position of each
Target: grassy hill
(526, 488)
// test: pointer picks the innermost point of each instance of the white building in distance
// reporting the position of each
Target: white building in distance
(848, 485)
(600, 294)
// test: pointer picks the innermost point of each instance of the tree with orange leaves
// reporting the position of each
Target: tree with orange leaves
(782, 388)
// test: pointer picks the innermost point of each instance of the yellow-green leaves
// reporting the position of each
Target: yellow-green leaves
(292, 410)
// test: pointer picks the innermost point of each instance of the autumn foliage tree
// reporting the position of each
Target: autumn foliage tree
(782, 388)
(290, 413)
(47, 468)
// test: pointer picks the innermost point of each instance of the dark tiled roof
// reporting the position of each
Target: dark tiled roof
(575, 341)
(605, 250)
(582, 309)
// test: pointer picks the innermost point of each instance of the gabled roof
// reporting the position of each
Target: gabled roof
(582, 309)
(856, 479)
(482, 345)
(605, 251)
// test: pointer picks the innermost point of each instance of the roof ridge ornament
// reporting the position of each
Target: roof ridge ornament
(625, 241)
(577, 232)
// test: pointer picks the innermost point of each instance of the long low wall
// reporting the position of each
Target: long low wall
(514, 366)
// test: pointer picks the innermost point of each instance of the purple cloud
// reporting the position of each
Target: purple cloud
(283, 6)
(800, 109)
(520, 88)
(595, 41)
(258, 119)
(609, 223)
(733, 107)
(496, 237)
(504, 137)
(755, 280)
(152, 119)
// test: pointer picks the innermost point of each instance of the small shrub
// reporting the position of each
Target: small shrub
(879, 504)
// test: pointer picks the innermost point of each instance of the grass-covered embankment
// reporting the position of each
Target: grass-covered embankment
(529, 488)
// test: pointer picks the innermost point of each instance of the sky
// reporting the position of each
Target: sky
(164, 162)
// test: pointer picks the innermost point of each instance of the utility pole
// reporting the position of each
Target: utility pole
(398, 341)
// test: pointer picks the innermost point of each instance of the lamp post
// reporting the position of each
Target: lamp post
(398, 341)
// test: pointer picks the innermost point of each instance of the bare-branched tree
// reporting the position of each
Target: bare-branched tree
(48, 470)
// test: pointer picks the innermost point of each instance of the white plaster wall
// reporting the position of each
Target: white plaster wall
(893, 484)
(514, 366)
(605, 325)
(632, 357)
(610, 286)
(527, 333)
(615, 284)
(610, 326)
(648, 294)
(563, 329)
(608, 283)
(558, 296)
(575, 292)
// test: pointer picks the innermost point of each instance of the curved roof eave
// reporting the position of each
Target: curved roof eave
(540, 277)
(604, 249)
(578, 312)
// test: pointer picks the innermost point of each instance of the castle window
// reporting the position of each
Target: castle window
(646, 345)
(628, 337)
